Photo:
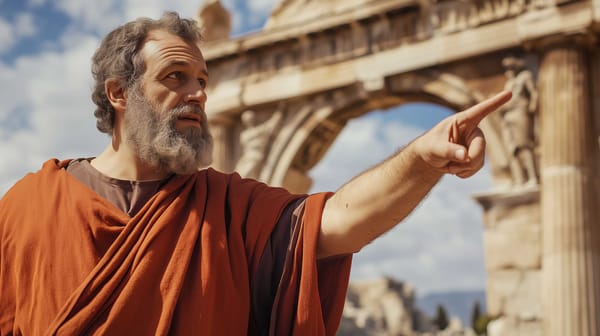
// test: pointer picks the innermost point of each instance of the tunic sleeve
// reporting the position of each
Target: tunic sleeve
(270, 269)
(311, 293)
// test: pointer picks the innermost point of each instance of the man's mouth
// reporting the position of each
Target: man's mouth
(190, 117)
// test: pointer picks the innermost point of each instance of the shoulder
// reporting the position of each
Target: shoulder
(239, 187)
(18, 199)
(232, 180)
(30, 184)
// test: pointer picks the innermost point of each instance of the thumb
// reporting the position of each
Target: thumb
(454, 152)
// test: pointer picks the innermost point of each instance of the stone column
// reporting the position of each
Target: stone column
(220, 128)
(596, 106)
(569, 200)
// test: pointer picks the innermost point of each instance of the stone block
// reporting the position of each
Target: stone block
(526, 302)
(505, 326)
(513, 248)
(501, 285)
(515, 293)
(512, 237)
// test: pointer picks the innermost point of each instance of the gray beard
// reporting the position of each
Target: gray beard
(157, 142)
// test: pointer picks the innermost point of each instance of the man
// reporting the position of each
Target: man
(138, 241)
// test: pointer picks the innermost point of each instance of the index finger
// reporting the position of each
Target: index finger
(475, 114)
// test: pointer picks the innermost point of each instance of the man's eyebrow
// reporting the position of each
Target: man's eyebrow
(176, 63)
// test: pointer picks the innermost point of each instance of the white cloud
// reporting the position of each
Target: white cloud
(7, 38)
(262, 7)
(95, 17)
(101, 17)
(439, 246)
(154, 8)
(259, 10)
(106, 15)
(363, 143)
(10, 96)
(35, 3)
(25, 25)
(10, 33)
(237, 18)
(51, 91)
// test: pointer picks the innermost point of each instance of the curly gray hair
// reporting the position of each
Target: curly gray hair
(118, 57)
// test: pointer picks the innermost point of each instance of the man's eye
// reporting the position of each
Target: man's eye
(202, 82)
(175, 75)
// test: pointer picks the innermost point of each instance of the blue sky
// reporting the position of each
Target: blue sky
(45, 111)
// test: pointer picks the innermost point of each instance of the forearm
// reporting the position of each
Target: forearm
(374, 202)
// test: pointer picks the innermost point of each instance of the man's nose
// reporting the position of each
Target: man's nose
(196, 93)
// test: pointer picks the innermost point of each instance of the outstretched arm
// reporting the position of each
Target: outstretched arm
(378, 199)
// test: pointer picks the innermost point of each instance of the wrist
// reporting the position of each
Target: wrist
(420, 163)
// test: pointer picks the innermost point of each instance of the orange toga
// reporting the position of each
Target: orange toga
(71, 263)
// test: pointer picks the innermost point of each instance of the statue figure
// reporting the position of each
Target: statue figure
(254, 139)
(215, 21)
(518, 121)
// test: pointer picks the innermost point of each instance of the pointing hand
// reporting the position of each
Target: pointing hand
(456, 145)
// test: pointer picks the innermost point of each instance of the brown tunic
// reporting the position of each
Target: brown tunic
(130, 197)
(186, 262)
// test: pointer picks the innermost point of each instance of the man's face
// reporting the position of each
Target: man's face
(175, 74)
(164, 120)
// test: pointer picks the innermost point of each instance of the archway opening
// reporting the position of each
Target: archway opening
(438, 249)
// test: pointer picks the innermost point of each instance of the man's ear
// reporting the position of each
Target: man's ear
(116, 94)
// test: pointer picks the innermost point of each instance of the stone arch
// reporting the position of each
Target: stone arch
(316, 125)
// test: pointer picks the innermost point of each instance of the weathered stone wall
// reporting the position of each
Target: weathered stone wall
(513, 255)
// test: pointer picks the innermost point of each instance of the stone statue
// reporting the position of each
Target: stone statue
(254, 139)
(215, 21)
(518, 122)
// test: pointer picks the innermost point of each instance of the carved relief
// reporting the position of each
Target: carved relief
(413, 22)
(324, 133)
(322, 46)
(518, 122)
(360, 44)
(379, 33)
(344, 42)
(404, 25)
(255, 139)
(316, 145)
(451, 16)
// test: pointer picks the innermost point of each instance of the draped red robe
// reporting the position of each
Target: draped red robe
(71, 263)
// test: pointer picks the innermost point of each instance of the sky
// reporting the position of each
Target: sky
(46, 112)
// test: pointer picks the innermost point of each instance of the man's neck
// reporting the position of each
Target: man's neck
(121, 162)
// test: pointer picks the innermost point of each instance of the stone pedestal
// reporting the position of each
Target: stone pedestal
(569, 203)
(513, 254)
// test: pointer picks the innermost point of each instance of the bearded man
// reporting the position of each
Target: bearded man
(139, 241)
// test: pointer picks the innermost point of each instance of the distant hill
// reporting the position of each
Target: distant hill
(456, 303)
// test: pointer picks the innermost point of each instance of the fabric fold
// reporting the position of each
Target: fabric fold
(71, 263)
(311, 296)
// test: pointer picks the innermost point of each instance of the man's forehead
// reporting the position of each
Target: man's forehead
(162, 45)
